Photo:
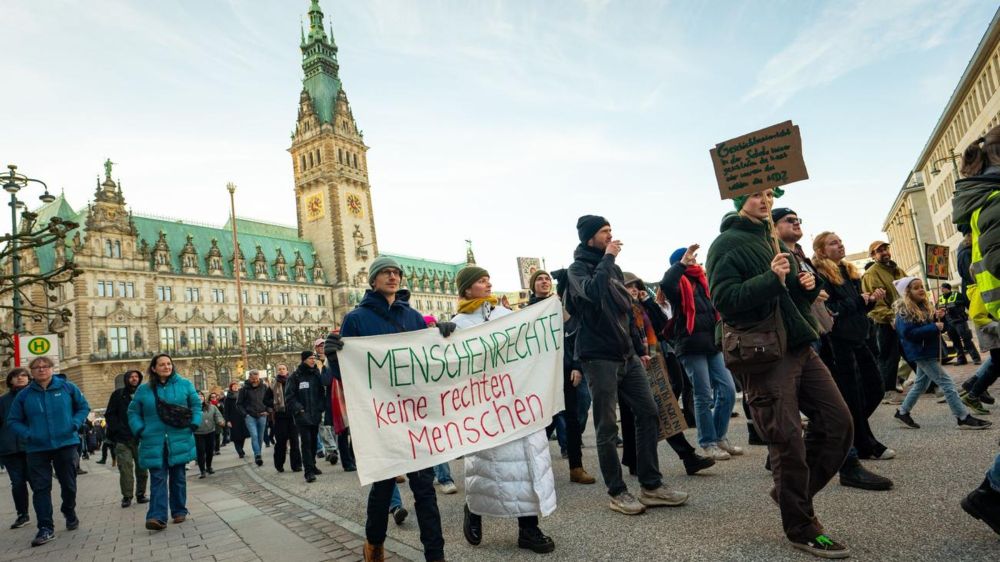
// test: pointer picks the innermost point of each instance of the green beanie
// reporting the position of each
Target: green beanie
(534, 277)
(380, 263)
(468, 276)
(740, 200)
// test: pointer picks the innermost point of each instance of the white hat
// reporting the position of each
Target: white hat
(902, 284)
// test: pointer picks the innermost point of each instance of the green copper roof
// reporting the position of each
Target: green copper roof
(320, 67)
(58, 208)
(260, 228)
(421, 266)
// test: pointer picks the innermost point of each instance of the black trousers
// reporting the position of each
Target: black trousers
(857, 377)
(888, 355)
(205, 446)
(346, 448)
(679, 443)
(424, 503)
(41, 465)
(308, 434)
(961, 338)
(574, 442)
(17, 469)
(286, 436)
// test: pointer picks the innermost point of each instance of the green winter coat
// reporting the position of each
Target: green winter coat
(881, 276)
(153, 434)
(744, 289)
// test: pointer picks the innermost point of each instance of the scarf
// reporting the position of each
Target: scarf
(278, 389)
(467, 306)
(687, 294)
(645, 326)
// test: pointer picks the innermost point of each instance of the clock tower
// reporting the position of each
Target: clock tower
(332, 194)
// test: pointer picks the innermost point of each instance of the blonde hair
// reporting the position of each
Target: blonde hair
(913, 310)
(826, 266)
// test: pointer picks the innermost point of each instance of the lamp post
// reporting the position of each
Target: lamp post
(954, 164)
(236, 272)
(13, 183)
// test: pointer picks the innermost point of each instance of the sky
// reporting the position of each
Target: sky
(495, 121)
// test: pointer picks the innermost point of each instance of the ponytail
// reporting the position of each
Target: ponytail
(982, 153)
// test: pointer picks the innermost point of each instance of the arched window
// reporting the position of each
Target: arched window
(118, 249)
(318, 157)
(107, 249)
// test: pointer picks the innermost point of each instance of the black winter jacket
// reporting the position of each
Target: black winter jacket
(702, 339)
(973, 193)
(848, 308)
(116, 414)
(10, 443)
(234, 416)
(602, 305)
(253, 401)
(304, 396)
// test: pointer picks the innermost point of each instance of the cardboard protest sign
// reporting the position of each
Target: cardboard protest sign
(526, 267)
(671, 419)
(760, 160)
(417, 399)
(938, 261)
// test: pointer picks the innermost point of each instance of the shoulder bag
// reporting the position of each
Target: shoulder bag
(171, 414)
(755, 348)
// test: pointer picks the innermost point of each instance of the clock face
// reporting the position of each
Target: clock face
(314, 207)
(354, 205)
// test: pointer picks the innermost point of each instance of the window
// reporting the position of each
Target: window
(118, 249)
(263, 297)
(285, 333)
(283, 298)
(246, 296)
(320, 300)
(223, 377)
(195, 338)
(192, 294)
(164, 294)
(267, 334)
(247, 335)
(199, 379)
(105, 288)
(168, 339)
(303, 299)
(118, 340)
(222, 337)
(219, 295)
(126, 289)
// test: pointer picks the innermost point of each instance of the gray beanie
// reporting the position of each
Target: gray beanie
(380, 263)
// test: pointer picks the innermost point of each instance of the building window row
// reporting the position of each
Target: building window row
(112, 248)
(126, 289)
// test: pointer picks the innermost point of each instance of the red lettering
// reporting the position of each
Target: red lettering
(390, 412)
(378, 413)
(422, 436)
(541, 409)
(436, 438)
(444, 396)
(482, 424)
(519, 408)
(497, 409)
(458, 434)
(471, 429)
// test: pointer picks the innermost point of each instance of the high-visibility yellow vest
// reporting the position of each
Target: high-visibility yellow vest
(989, 286)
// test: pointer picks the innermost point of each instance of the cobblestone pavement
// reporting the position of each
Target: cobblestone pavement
(248, 513)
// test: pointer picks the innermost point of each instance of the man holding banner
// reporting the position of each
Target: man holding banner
(381, 313)
(606, 346)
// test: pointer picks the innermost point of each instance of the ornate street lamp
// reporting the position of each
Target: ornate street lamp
(14, 182)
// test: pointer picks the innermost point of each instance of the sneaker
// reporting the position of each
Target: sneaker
(892, 397)
(859, 477)
(728, 447)
(970, 422)
(21, 521)
(886, 455)
(155, 525)
(973, 403)
(317, 471)
(533, 539)
(141, 498)
(983, 503)
(987, 398)
(823, 547)
(43, 536)
(258, 461)
(618, 442)
(201, 475)
(696, 463)
(126, 502)
(662, 496)
(73, 524)
(627, 504)
(906, 420)
(581, 476)
(310, 478)
(715, 453)
(449, 488)
(399, 515)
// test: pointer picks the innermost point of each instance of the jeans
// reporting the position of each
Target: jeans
(994, 474)
(424, 503)
(327, 439)
(396, 501)
(255, 427)
(286, 437)
(130, 476)
(928, 371)
(800, 466)
(981, 372)
(17, 469)
(442, 472)
(709, 376)
(40, 467)
(983, 382)
(308, 435)
(160, 479)
(627, 379)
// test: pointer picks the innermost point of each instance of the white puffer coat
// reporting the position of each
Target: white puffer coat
(514, 479)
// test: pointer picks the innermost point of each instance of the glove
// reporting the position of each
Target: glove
(332, 345)
(446, 328)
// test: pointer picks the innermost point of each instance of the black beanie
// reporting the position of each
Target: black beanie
(780, 213)
(306, 355)
(588, 225)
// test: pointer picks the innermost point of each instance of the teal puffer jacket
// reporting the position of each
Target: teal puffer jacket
(153, 433)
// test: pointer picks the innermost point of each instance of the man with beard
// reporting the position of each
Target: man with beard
(881, 276)
(304, 399)
(285, 433)
(130, 476)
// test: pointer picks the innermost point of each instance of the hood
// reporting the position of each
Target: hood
(125, 383)
(586, 253)
(403, 295)
(971, 194)
(728, 220)
(733, 219)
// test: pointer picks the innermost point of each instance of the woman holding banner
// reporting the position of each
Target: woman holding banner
(765, 302)
(510, 480)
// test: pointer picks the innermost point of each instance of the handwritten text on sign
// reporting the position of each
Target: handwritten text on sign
(417, 399)
(763, 159)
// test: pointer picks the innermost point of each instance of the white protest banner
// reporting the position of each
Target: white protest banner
(417, 399)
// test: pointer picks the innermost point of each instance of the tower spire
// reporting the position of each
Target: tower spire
(319, 64)
(316, 22)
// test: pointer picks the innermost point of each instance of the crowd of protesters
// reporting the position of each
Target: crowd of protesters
(813, 344)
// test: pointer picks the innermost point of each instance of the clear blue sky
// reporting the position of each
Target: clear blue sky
(498, 121)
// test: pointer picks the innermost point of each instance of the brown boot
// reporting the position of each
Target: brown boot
(580, 476)
(374, 552)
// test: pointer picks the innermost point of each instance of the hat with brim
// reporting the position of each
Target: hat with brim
(875, 246)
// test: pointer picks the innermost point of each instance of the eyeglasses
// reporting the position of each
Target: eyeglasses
(45, 368)
(793, 221)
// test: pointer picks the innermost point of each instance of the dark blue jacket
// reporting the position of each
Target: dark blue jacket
(49, 418)
(920, 340)
(10, 443)
(375, 317)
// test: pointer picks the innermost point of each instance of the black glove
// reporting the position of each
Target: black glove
(446, 328)
(332, 345)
